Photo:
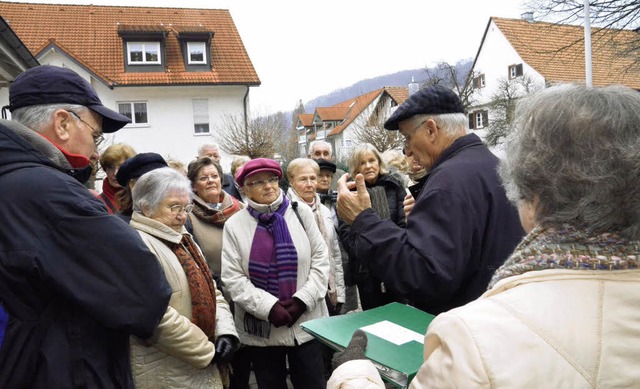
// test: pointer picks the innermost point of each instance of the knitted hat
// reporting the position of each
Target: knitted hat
(138, 165)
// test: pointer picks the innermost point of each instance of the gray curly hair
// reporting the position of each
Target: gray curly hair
(576, 150)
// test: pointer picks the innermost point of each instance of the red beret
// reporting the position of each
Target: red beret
(256, 166)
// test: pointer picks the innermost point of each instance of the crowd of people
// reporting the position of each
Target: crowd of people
(187, 276)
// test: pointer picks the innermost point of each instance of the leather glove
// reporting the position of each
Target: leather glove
(226, 347)
(296, 308)
(278, 316)
(354, 351)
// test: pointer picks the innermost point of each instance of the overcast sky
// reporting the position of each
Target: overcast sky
(304, 49)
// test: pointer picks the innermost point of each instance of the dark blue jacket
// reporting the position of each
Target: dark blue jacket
(461, 229)
(62, 252)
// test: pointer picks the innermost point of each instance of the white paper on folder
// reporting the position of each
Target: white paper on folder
(393, 333)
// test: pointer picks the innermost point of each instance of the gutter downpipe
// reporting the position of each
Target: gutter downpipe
(587, 45)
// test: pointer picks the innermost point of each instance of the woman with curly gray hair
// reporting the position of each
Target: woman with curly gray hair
(563, 310)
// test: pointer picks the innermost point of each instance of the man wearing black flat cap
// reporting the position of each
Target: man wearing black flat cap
(75, 281)
(462, 226)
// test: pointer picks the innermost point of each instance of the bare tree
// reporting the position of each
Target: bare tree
(455, 77)
(291, 149)
(604, 14)
(262, 136)
(373, 131)
(503, 104)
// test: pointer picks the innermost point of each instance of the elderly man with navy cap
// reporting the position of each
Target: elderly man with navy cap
(461, 228)
(75, 281)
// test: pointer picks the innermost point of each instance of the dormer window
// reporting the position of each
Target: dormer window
(196, 53)
(195, 42)
(143, 53)
(144, 47)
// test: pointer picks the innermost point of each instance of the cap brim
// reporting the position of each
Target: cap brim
(112, 121)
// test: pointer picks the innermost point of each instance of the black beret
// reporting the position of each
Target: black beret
(136, 166)
(324, 164)
(433, 100)
(47, 84)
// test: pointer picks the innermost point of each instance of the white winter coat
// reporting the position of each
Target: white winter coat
(313, 268)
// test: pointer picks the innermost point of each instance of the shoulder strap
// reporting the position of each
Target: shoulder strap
(294, 205)
(107, 202)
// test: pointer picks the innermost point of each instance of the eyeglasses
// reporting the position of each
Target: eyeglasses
(178, 209)
(262, 183)
(95, 134)
(407, 138)
(204, 179)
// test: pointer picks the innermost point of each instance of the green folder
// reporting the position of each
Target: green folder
(397, 363)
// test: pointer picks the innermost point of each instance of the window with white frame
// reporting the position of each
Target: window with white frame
(515, 71)
(134, 110)
(201, 116)
(348, 143)
(478, 82)
(143, 53)
(196, 53)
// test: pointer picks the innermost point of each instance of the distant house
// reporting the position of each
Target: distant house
(175, 72)
(336, 124)
(523, 53)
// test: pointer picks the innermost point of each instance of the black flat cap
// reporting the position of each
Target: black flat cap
(324, 164)
(139, 164)
(47, 84)
(433, 100)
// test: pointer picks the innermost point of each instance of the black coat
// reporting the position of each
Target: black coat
(372, 292)
(461, 229)
(61, 250)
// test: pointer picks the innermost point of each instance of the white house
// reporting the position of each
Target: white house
(539, 54)
(176, 72)
(336, 124)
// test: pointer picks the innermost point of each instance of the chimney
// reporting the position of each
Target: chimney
(413, 86)
(528, 16)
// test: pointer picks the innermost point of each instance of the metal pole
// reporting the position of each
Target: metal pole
(587, 45)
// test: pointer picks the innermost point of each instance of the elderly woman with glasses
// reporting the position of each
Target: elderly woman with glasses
(212, 207)
(387, 193)
(196, 338)
(275, 267)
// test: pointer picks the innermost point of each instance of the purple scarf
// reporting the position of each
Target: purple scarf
(273, 261)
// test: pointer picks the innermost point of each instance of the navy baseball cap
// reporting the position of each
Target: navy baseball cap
(47, 84)
(434, 100)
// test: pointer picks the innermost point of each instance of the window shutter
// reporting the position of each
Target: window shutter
(485, 118)
(201, 115)
(518, 70)
(471, 121)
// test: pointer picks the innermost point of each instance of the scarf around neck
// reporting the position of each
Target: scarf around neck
(201, 286)
(273, 260)
(203, 211)
(568, 248)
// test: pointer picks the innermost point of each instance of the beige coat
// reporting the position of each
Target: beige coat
(179, 354)
(550, 328)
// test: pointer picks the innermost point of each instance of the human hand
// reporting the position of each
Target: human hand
(278, 316)
(296, 308)
(408, 204)
(354, 351)
(351, 204)
(226, 347)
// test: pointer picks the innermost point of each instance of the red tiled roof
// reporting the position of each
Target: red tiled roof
(89, 34)
(557, 51)
(332, 113)
(360, 103)
(306, 119)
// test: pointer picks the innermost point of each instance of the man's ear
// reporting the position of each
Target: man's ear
(59, 131)
(432, 130)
